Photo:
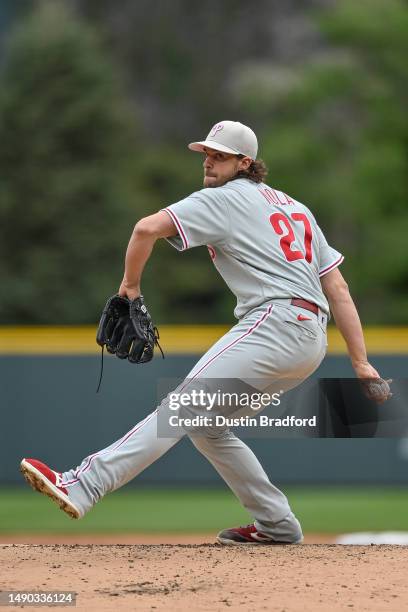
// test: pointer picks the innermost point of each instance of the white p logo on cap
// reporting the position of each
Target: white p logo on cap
(217, 127)
(229, 137)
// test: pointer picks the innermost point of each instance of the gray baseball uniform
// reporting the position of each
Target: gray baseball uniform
(264, 244)
(269, 249)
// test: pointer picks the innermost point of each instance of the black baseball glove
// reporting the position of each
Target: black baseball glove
(127, 331)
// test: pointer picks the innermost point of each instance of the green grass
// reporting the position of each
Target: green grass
(329, 510)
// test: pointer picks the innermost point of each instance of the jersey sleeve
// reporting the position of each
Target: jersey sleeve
(201, 218)
(329, 258)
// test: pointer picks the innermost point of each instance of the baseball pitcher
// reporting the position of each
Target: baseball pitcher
(274, 257)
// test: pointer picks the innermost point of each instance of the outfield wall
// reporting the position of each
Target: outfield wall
(50, 410)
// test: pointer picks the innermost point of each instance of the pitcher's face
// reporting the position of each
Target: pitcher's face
(221, 167)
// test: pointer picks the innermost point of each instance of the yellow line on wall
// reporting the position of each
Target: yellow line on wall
(175, 339)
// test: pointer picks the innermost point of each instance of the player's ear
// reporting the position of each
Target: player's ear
(244, 163)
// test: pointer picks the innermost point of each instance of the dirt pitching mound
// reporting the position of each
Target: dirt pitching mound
(210, 577)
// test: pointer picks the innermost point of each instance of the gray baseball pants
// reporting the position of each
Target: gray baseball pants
(270, 344)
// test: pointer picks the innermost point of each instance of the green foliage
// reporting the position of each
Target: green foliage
(77, 170)
(65, 194)
(338, 142)
(75, 176)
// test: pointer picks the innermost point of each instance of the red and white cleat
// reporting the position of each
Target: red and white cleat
(46, 481)
(247, 535)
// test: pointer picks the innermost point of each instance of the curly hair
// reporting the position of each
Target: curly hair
(256, 172)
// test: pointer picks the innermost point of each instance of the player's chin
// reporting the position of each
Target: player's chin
(211, 181)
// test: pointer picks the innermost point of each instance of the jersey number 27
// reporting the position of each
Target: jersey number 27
(283, 227)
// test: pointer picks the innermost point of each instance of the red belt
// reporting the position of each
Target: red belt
(305, 304)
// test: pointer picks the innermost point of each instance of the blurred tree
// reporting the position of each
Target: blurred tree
(181, 55)
(335, 136)
(66, 196)
(179, 58)
(76, 173)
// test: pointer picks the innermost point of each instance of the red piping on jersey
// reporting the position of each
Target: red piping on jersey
(333, 265)
(179, 227)
(86, 467)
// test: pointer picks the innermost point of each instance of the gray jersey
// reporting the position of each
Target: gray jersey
(265, 244)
